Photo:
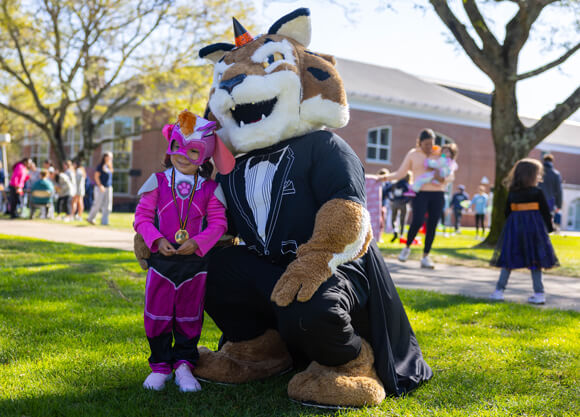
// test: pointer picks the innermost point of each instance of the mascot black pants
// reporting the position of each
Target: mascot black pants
(327, 328)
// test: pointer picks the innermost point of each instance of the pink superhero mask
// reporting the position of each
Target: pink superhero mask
(204, 140)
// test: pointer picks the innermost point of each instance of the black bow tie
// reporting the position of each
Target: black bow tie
(273, 158)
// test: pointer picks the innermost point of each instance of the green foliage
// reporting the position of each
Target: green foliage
(173, 70)
(67, 63)
(72, 344)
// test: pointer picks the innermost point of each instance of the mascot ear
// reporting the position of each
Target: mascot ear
(223, 158)
(215, 52)
(295, 25)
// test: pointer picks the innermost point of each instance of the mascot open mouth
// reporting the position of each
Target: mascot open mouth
(248, 113)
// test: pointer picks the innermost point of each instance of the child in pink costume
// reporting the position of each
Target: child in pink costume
(170, 217)
(445, 165)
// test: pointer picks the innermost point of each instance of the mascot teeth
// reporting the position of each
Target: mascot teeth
(253, 112)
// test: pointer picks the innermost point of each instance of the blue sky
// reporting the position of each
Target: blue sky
(417, 42)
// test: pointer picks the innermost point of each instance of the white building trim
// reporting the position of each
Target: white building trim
(546, 146)
(413, 110)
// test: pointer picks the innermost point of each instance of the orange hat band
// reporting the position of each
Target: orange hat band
(243, 39)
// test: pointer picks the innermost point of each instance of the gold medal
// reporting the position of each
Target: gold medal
(181, 236)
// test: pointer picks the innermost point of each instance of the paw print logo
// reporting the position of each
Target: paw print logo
(184, 188)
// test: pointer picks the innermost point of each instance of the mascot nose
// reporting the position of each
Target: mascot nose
(229, 85)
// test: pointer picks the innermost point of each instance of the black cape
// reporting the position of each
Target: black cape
(398, 358)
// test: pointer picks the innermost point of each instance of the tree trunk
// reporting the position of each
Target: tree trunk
(511, 145)
(59, 149)
(500, 193)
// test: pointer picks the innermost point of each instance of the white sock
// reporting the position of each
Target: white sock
(156, 381)
(185, 380)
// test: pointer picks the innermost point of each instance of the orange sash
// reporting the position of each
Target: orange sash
(525, 206)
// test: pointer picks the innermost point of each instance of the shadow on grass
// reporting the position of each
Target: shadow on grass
(128, 398)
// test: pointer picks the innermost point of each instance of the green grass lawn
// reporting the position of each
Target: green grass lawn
(72, 344)
(464, 249)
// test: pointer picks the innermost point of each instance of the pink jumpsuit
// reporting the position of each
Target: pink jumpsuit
(175, 287)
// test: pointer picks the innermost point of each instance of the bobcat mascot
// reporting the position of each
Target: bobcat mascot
(309, 284)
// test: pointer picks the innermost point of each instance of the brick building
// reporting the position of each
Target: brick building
(389, 108)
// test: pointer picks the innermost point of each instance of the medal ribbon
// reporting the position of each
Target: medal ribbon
(182, 224)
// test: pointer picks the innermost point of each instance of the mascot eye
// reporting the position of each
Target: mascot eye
(276, 56)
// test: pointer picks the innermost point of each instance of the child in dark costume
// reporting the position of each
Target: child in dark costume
(170, 216)
(524, 240)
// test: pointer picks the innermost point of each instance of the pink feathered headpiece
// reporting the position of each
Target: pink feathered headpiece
(194, 132)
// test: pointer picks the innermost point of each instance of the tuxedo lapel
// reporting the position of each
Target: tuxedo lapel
(279, 184)
(237, 186)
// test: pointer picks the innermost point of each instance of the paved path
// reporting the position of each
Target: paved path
(57, 231)
(561, 292)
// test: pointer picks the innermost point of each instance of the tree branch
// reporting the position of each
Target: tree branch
(550, 121)
(54, 13)
(132, 48)
(548, 66)
(460, 33)
(123, 100)
(490, 43)
(518, 28)
(30, 83)
(24, 115)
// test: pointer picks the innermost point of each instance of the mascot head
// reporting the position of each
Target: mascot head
(271, 88)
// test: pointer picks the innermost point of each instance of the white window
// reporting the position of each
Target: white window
(73, 141)
(39, 150)
(125, 129)
(119, 126)
(379, 144)
(122, 151)
(574, 215)
(105, 131)
(442, 140)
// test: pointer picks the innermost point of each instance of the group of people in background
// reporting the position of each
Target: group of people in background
(58, 193)
(532, 210)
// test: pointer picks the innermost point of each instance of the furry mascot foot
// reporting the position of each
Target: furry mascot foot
(239, 362)
(354, 384)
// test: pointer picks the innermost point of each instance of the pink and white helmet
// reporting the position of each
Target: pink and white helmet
(194, 132)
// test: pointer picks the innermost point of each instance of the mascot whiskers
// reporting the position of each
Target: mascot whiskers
(308, 285)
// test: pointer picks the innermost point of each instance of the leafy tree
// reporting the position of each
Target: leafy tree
(82, 62)
(499, 59)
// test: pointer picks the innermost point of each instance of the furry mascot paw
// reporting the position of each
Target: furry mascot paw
(354, 384)
(239, 362)
(141, 251)
(302, 278)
